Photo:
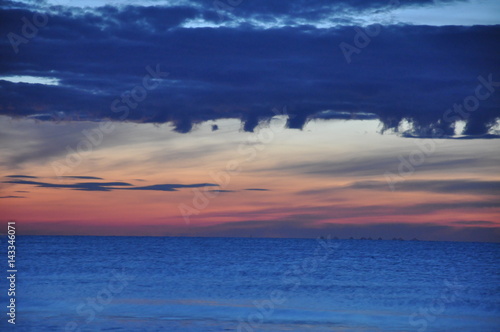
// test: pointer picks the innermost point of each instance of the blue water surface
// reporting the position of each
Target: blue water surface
(248, 284)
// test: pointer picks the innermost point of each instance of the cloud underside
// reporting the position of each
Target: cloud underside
(413, 74)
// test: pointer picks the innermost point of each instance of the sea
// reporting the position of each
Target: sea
(84, 283)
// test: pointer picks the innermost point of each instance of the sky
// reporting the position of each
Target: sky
(259, 118)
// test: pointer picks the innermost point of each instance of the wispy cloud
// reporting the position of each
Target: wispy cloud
(464, 186)
(475, 223)
(21, 176)
(109, 186)
(82, 177)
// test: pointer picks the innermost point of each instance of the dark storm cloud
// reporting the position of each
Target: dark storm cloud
(12, 197)
(263, 10)
(257, 189)
(413, 73)
(109, 186)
